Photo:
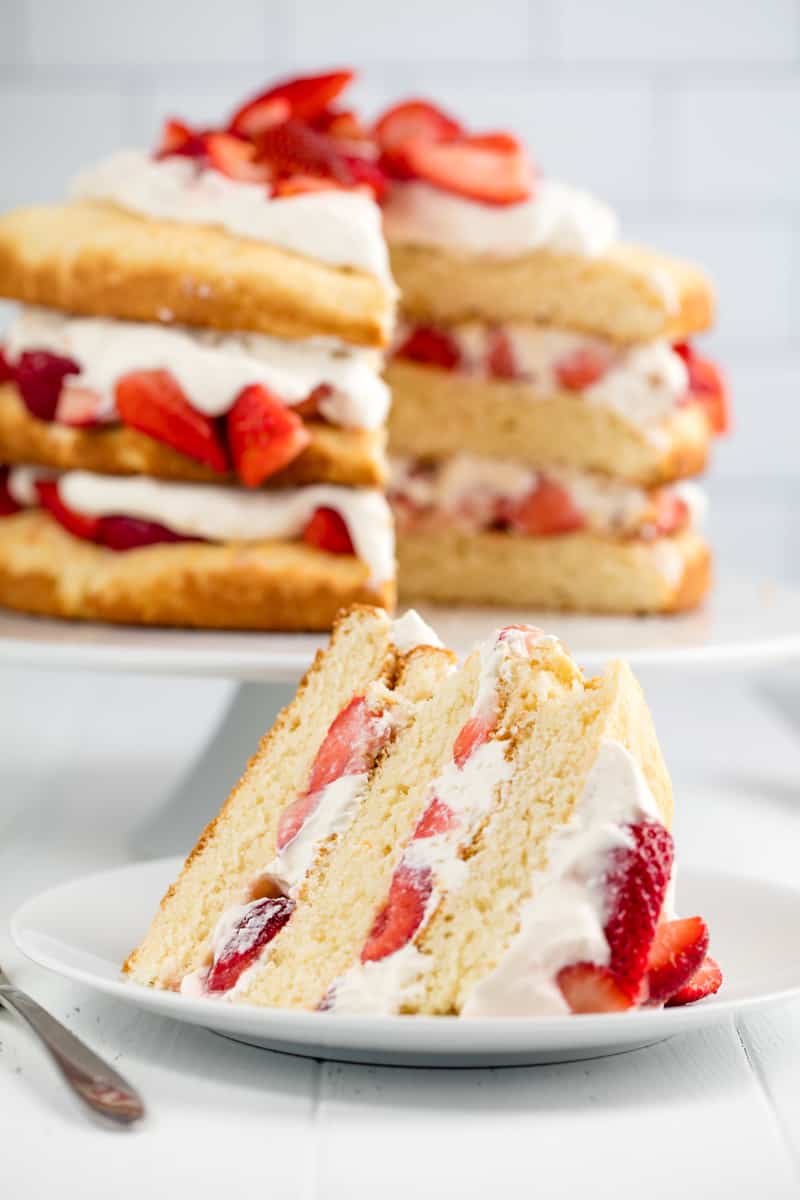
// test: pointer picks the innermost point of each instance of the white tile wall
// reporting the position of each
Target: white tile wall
(685, 115)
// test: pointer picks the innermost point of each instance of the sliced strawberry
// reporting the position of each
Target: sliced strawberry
(635, 881)
(262, 922)
(588, 988)
(431, 346)
(175, 138)
(6, 369)
(303, 98)
(367, 174)
(153, 403)
(583, 367)
(343, 123)
(490, 168)
(705, 982)
(8, 505)
(295, 149)
(79, 406)
(353, 740)
(235, 158)
(301, 185)
(708, 387)
(437, 818)
(309, 409)
(500, 356)
(39, 376)
(264, 435)
(78, 524)
(413, 119)
(676, 954)
(473, 733)
(327, 531)
(672, 513)
(130, 533)
(547, 511)
(402, 914)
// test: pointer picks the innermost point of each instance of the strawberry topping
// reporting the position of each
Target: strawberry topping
(327, 531)
(677, 952)
(263, 920)
(264, 435)
(296, 149)
(588, 988)
(39, 377)
(481, 167)
(431, 346)
(153, 403)
(177, 138)
(707, 386)
(546, 511)
(409, 121)
(235, 158)
(304, 98)
(8, 505)
(705, 982)
(583, 367)
(402, 914)
(78, 524)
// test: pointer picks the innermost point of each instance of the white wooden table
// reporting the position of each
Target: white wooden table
(85, 762)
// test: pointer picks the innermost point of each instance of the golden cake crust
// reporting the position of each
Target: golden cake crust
(577, 572)
(437, 413)
(233, 585)
(334, 455)
(98, 260)
(629, 295)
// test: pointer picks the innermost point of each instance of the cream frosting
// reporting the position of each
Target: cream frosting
(410, 631)
(210, 367)
(227, 514)
(557, 217)
(563, 920)
(21, 483)
(342, 228)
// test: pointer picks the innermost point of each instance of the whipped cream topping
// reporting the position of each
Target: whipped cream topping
(464, 490)
(228, 514)
(385, 985)
(337, 227)
(410, 631)
(210, 367)
(21, 483)
(563, 921)
(557, 217)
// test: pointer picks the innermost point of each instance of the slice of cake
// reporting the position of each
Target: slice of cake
(299, 795)
(508, 852)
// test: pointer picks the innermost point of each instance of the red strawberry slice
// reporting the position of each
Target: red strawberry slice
(672, 513)
(635, 880)
(235, 158)
(490, 168)
(402, 914)
(500, 356)
(131, 533)
(583, 367)
(588, 988)
(707, 386)
(303, 98)
(8, 505)
(676, 954)
(545, 512)
(153, 403)
(264, 435)
(705, 982)
(295, 149)
(301, 185)
(78, 524)
(79, 406)
(437, 818)
(473, 733)
(309, 409)
(6, 370)
(262, 922)
(327, 531)
(343, 123)
(176, 137)
(413, 119)
(431, 346)
(39, 377)
(367, 175)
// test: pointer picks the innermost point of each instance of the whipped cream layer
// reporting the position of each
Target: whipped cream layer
(557, 217)
(465, 491)
(223, 514)
(563, 922)
(336, 227)
(642, 384)
(211, 368)
(388, 984)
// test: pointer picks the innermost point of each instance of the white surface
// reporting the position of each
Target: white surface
(86, 763)
(85, 929)
(747, 623)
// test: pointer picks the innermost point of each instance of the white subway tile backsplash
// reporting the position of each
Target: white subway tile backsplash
(683, 31)
(766, 412)
(13, 37)
(152, 32)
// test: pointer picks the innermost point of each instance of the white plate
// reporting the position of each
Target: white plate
(745, 622)
(86, 928)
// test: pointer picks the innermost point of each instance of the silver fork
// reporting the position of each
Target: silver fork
(98, 1085)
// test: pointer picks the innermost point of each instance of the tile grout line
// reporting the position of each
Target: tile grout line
(763, 1086)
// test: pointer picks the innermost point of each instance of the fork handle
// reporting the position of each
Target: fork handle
(98, 1085)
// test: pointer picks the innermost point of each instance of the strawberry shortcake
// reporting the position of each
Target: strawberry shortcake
(538, 347)
(192, 414)
(414, 836)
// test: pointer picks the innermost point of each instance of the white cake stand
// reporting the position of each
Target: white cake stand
(747, 624)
